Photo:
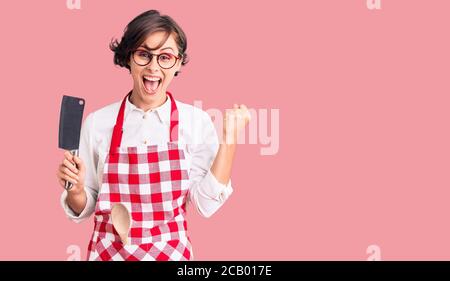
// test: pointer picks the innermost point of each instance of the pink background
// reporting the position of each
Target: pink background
(362, 94)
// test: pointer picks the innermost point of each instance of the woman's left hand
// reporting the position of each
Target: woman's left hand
(234, 121)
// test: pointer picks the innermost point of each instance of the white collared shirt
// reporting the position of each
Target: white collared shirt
(196, 133)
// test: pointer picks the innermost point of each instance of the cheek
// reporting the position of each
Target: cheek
(136, 79)
(168, 76)
(136, 74)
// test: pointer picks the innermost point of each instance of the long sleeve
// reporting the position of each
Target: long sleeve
(88, 155)
(205, 192)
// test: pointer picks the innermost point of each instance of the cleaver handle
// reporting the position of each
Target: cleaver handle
(69, 185)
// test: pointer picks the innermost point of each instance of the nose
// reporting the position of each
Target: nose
(153, 64)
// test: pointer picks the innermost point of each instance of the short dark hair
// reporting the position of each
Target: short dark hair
(139, 28)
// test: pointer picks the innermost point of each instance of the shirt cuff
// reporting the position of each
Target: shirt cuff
(216, 190)
(87, 211)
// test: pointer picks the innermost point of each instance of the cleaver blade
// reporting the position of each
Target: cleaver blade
(70, 119)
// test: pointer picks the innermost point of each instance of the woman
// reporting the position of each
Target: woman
(149, 153)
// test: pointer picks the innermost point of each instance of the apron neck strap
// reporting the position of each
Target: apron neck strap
(118, 127)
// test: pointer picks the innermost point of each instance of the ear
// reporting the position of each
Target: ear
(177, 68)
(178, 65)
(129, 60)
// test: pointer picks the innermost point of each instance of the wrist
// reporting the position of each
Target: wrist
(228, 146)
(76, 191)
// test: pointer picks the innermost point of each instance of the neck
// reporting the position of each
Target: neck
(144, 105)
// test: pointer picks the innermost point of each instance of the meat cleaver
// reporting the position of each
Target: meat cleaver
(70, 118)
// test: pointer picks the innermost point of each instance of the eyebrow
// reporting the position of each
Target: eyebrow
(146, 47)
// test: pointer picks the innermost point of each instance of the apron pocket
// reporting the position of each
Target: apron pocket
(107, 250)
(176, 250)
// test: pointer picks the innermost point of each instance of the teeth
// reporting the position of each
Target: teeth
(152, 78)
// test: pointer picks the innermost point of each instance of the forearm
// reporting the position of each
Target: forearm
(222, 165)
(77, 201)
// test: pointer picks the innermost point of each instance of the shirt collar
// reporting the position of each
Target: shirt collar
(162, 111)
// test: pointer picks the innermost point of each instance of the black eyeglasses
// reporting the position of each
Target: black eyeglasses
(165, 60)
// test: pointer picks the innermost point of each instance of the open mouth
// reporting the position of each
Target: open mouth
(151, 84)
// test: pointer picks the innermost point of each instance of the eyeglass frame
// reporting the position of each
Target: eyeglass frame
(157, 58)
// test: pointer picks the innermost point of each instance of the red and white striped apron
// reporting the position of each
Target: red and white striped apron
(151, 181)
